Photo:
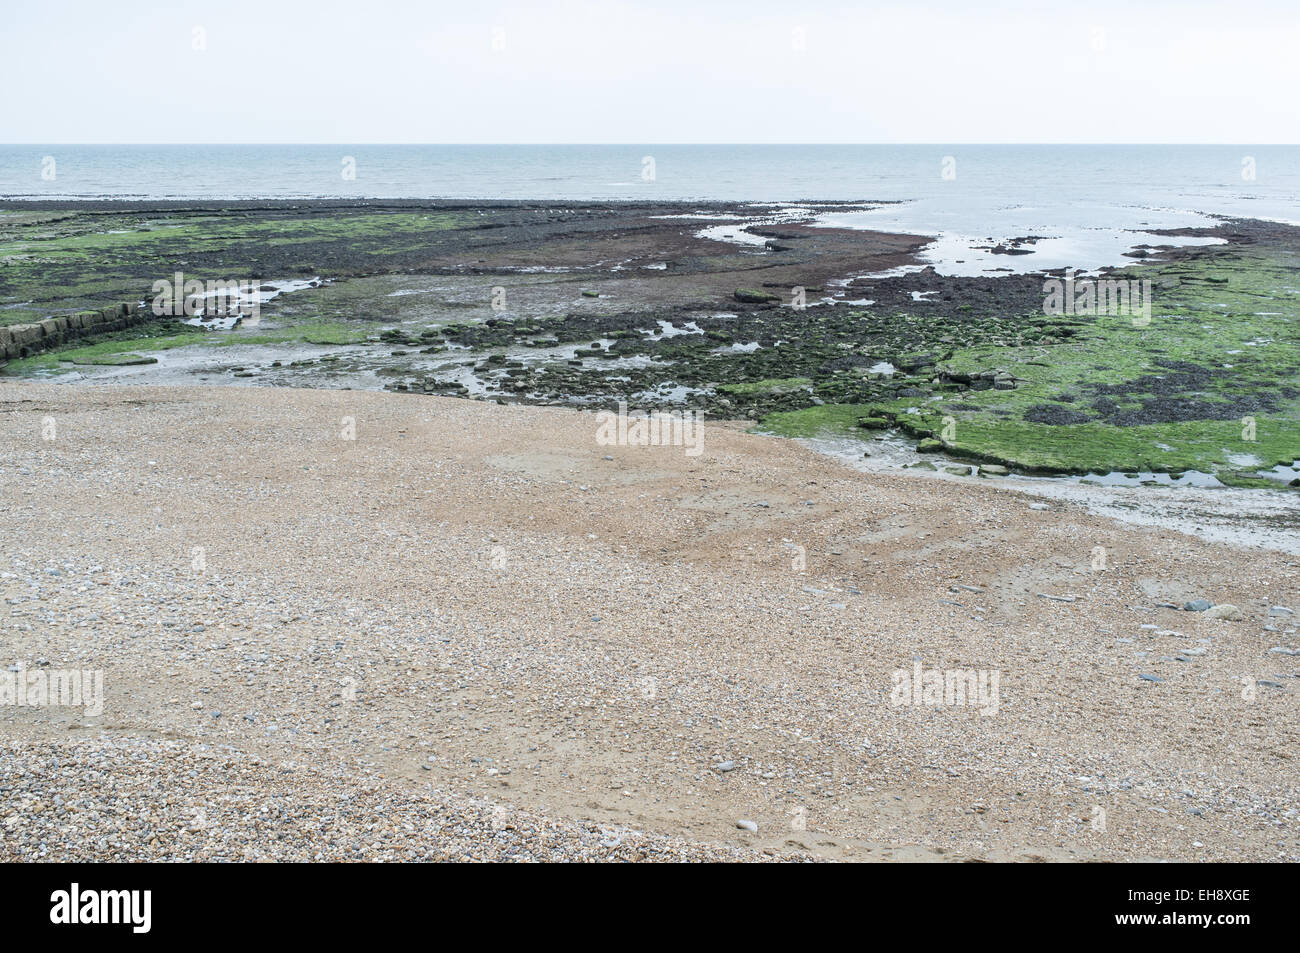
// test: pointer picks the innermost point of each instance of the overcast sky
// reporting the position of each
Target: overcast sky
(650, 72)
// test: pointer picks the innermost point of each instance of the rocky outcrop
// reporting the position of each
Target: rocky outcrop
(24, 340)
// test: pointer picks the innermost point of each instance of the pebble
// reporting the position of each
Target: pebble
(122, 800)
(1224, 610)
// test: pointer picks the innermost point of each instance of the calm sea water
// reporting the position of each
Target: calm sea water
(1086, 200)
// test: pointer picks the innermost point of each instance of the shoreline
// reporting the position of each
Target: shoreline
(1258, 518)
(602, 302)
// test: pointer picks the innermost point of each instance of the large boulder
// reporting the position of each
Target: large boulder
(26, 335)
(50, 331)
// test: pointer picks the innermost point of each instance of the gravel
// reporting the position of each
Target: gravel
(102, 799)
(428, 642)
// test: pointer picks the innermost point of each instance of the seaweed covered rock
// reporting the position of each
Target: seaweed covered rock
(755, 296)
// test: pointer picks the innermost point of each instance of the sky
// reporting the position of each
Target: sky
(550, 71)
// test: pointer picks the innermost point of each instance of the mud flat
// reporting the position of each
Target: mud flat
(733, 310)
(364, 625)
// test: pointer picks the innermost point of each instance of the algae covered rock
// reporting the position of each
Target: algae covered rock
(755, 296)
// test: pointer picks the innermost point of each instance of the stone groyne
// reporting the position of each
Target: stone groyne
(24, 340)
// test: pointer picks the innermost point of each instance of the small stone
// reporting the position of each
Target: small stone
(1151, 678)
(724, 767)
(1197, 605)
(1224, 610)
(747, 826)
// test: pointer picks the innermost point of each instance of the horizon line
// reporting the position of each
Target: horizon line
(936, 142)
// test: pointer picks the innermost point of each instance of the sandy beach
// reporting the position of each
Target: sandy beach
(366, 625)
